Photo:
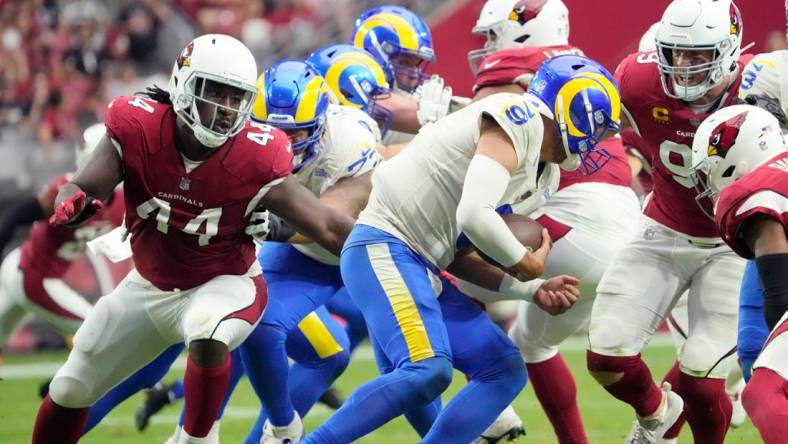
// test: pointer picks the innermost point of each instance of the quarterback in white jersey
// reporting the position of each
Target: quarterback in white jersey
(448, 181)
(415, 195)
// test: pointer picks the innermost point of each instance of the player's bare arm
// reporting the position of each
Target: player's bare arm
(404, 111)
(765, 235)
(389, 151)
(554, 295)
(325, 225)
(81, 198)
(348, 196)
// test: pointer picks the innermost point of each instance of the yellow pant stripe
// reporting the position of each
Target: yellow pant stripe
(402, 303)
(318, 336)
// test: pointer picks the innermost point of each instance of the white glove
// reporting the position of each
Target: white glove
(259, 226)
(433, 100)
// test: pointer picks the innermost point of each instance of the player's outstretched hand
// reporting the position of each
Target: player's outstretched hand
(557, 294)
(75, 209)
(532, 265)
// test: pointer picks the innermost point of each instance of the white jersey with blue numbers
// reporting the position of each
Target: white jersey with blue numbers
(347, 149)
(416, 193)
(766, 74)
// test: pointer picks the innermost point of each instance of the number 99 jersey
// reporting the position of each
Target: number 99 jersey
(667, 127)
(187, 226)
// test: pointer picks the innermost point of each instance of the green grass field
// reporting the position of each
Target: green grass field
(606, 420)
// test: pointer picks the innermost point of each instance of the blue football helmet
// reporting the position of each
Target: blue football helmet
(292, 95)
(399, 40)
(582, 98)
(355, 79)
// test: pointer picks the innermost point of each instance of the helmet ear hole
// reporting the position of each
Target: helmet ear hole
(728, 171)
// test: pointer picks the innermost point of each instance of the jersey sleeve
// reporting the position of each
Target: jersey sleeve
(123, 124)
(281, 160)
(516, 117)
(358, 137)
(732, 216)
(761, 76)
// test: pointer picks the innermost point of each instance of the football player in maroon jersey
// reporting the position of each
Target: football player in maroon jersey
(666, 94)
(194, 169)
(740, 157)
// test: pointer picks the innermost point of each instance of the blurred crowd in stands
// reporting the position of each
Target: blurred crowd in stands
(62, 61)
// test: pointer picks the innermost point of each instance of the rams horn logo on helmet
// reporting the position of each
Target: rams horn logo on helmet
(575, 86)
(724, 135)
(185, 57)
(526, 10)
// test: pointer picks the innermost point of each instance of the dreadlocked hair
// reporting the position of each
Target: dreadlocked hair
(155, 93)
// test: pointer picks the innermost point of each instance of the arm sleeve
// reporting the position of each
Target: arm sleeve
(752, 331)
(761, 76)
(485, 183)
(22, 213)
(771, 269)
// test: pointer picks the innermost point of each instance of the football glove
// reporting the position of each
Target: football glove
(75, 210)
(433, 100)
(769, 104)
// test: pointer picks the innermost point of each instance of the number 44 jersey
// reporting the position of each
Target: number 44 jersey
(187, 226)
(667, 127)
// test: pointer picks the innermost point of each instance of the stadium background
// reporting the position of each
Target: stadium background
(62, 61)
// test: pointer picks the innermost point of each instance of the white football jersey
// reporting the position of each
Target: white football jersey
(347, 149)
(416, 193)
(766, 75)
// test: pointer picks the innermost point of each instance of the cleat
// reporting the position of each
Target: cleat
(156, 398)
(289, 434)
(650, 431)
(507, 427)
(332, 399)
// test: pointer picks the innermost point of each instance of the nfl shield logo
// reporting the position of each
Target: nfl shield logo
(185, 183)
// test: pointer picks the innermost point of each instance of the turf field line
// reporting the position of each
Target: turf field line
(21, 370)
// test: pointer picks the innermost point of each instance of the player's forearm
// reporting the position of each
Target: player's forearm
(485, 183)
(404, 112)
(493, 283)
(338, 229)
